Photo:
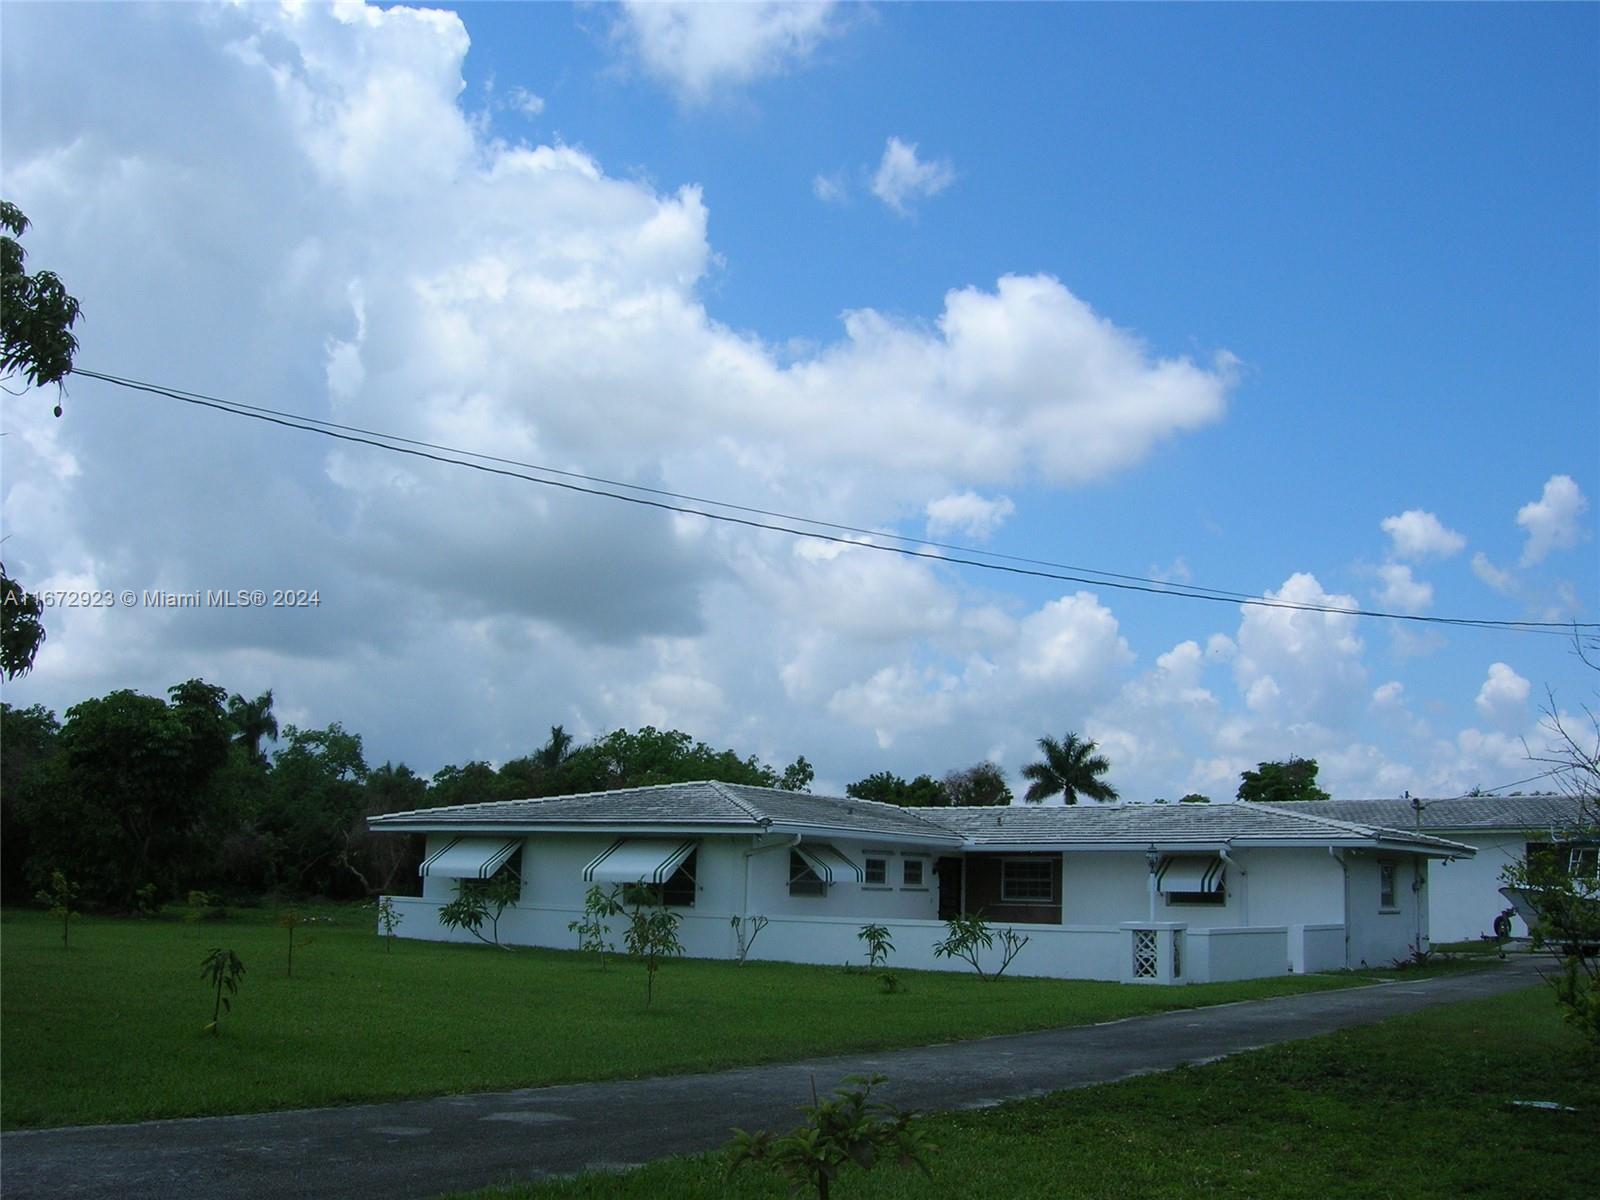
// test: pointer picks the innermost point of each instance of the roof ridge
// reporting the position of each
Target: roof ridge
(1347, 826)
(723, 789)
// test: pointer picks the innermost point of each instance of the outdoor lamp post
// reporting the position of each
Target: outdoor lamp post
(1152, 858)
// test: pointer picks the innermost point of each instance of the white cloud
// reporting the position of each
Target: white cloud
(700, 49)
(1419, 534)
(1503, 698)
(1294, 664)
(831, 189)
(1071, 645)
(968, 513)
(1551, 521)
(902, 178)
(1388, 695)
(1503, 582)
(1401, 592)
(525, 102)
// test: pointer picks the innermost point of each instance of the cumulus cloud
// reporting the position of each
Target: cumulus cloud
(1503, 698)
(1416, 533)
(969, 514)
(1492, 576)
(1071, 645)
(698, 49)
(902, 178)
(1294, 664)
(1551, 522)
(1400, 591)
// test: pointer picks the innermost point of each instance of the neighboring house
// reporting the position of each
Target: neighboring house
(1181, 893)
(1464, 895)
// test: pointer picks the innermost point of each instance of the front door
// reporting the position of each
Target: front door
(949, 872)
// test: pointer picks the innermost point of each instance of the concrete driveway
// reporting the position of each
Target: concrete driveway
(419, 1148)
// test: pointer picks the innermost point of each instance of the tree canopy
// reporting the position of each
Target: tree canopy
(1281, 782)
(888, 788)
(1071, 768)
(36, 312)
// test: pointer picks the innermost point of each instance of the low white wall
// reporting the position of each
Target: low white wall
(1216, 955)
(1316, 948)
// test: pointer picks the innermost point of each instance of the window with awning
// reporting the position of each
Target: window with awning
(1192, 879)
(639, 860)
(470, 857)
(829, 864)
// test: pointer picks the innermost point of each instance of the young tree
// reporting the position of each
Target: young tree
(1281, 782)
(599, 906)
(224, 970)
(60, 899)
(1070, 767)
(850, 1129)
(652, 935)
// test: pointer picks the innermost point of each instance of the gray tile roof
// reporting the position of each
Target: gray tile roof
(1140, 824)
(738, 808)
(699, 805)
(1542, 813)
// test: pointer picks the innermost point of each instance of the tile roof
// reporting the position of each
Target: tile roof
(737, 808)
(1533, 813)
(1137, 824)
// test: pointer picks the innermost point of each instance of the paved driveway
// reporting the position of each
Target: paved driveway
(419, 1148)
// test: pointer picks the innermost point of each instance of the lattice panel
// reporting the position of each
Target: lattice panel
(1146, 959)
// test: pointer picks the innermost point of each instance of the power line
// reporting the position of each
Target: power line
(969, 556)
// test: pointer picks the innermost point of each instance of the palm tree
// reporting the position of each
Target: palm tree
(554, 752)
(1070, 767)
(253, 721)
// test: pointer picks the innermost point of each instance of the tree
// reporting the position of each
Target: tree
(30, 781)
(316, 790)
(252, 721)
(982, 785)
(797, 776)
(653, 756)
(1195, 798)
(136, 789)
(36, 313)
(1281, 782)
(21, 626)
(1562, 884)
(555, 751)
(1070, 767)
(922, 792)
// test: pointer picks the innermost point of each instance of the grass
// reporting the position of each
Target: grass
(1414, 1108)
(111, 1030)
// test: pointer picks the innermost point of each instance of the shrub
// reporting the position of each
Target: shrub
(879, 947)
(968, 935)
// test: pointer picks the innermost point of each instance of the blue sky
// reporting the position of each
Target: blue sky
(1203, 292)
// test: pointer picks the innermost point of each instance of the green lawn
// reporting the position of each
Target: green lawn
(1417, 1107)
(111, 1030)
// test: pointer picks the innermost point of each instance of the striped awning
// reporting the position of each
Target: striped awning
(831, 865)
(1190, 873)
(469, 857)
(639, 860)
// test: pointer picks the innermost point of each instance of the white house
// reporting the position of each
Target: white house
(1464, 894)
(1182, 893)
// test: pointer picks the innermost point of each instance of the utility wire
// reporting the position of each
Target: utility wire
(596, 486)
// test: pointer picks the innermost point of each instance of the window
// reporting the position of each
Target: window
(1027, 881)
(877, 872)
(803, 881)
(912, 873)
(1583, 861)
(1386, 900)
(1218, 896)
(677, 892)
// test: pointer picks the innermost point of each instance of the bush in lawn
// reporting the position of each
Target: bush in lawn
(389, 918)
(477, 902)
(59, 898)
(968, 935)
(755, 924)
(879, 947)
(292, 920)
(224, 970)
(850, 1128)
(652, 935)
(598, 906)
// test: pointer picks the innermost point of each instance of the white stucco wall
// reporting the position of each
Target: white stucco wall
(1464, 894)
(1379, 936)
